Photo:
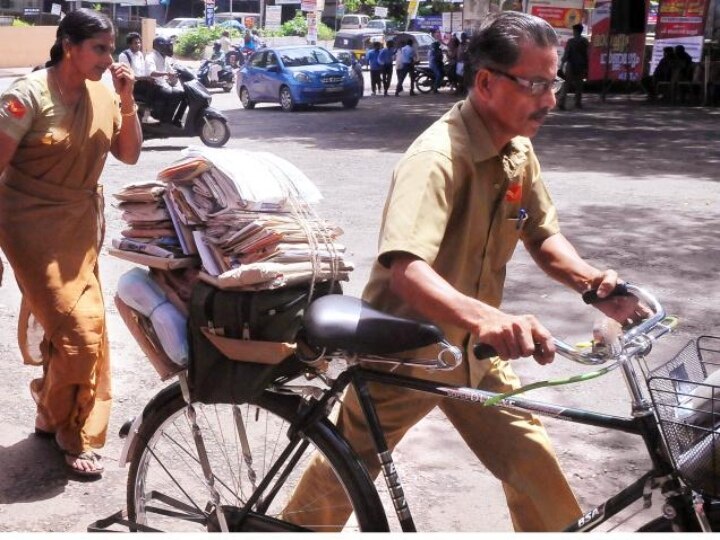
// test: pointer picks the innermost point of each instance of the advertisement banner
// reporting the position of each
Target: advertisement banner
(426, 23)
(680, 22)
(273, 17)
(381, 12)
(680, 18)
(312, 27)
(308, 5)
(562, 15)
(619, 57)
(209, 12)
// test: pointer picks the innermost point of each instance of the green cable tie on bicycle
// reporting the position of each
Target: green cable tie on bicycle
(670, 321)
(545, 384)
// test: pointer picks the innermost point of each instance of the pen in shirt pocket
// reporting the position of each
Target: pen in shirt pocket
(521, 218)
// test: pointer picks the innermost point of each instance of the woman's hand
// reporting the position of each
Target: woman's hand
(123, 80)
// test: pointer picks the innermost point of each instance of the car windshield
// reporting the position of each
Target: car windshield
(425, 39)
(174, 23)
(376, 24)
(308, 56)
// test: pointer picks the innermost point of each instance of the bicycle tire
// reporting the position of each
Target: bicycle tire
(165, 487)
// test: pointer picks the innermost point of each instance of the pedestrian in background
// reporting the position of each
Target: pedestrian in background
(225, 42)
(435, 60)
(133, 55)
(405, 60)
(387, 59)
(373, 58)
(57, 125)
(574, 65)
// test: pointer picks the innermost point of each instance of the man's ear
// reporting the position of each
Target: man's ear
(481, 84)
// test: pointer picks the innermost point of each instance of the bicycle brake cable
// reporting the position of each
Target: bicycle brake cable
(669, 324)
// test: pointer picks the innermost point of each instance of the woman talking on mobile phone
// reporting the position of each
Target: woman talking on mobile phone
(57, 126)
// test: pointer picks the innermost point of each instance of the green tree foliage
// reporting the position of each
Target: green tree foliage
(297, 26)
(193, 42)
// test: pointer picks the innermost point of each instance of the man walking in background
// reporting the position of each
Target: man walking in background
(575, 66)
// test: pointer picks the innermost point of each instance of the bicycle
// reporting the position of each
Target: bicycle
(231, 467)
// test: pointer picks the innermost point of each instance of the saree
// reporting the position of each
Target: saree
(51, 231)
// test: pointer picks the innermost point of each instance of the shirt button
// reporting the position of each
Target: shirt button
(497, 186)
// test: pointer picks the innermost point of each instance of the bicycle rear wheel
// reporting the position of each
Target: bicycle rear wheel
(166, 487)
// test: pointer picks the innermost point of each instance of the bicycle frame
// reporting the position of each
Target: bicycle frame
(642, 423)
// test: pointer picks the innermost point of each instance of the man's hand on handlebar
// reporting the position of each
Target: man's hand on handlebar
(515, 336)
(624, 308)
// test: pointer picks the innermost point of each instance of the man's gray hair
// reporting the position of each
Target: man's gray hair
(499, 40)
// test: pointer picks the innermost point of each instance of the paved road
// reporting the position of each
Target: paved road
(637, 190)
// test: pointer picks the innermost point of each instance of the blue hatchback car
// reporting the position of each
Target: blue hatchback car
(299, 75)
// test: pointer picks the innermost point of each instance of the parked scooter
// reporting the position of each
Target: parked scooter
(200, 119)
(225, 77)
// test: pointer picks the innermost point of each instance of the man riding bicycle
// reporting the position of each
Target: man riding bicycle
(461, 197)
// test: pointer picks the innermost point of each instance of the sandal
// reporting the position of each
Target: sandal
(72, 463)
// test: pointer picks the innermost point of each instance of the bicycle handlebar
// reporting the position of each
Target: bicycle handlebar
(483, 351)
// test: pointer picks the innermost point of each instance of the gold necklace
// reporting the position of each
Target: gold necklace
(62, 94)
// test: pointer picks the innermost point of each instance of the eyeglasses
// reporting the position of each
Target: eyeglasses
(535, 88)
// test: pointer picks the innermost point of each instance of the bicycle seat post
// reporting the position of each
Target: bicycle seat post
(392, 480)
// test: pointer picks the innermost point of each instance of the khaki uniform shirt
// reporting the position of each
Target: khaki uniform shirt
(461, 207)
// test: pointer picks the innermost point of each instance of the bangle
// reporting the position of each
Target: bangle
(130, 113)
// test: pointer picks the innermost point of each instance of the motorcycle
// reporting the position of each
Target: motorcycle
(225, 75)
(200, 118)
(425, 78)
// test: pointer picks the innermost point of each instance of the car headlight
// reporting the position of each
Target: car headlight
(302, 77)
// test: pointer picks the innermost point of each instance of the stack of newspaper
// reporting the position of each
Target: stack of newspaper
(149, 229)
(247, 216)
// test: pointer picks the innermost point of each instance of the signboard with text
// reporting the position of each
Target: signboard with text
(209, 12)
(273, 17)
(381, 12)
(312, 27)
(561, 15)
(619, 57)
(680, 22)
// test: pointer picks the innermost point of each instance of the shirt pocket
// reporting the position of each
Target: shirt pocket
(505, 236)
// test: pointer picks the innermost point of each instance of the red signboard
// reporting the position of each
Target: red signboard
(680, 18)
(616, 57)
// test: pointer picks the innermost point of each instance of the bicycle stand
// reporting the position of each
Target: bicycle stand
(119, 519)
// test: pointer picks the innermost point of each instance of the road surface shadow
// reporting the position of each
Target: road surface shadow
(31, 470)
(620, 136)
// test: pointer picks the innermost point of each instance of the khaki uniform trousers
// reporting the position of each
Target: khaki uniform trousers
(513, 446)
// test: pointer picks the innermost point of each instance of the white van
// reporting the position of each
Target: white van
(354, 20)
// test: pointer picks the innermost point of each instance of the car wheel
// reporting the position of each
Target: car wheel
(286, 99)
(245, 100)
(350, 103)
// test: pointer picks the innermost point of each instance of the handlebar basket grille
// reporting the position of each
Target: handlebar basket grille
(686, 395)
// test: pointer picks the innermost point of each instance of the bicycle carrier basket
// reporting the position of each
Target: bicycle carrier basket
(260, 324)
(686, 395)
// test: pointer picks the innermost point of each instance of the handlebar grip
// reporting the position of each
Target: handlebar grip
(591, 296)
(483, 351)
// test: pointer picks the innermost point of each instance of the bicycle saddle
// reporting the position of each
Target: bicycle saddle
(349, 324)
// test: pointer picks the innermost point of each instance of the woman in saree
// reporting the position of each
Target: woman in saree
(57, 126)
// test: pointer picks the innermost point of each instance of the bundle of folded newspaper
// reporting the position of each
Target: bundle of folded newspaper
(246, 215)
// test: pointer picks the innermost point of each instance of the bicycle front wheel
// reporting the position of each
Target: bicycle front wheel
(167, 489)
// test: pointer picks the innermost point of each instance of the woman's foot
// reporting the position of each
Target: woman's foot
(87, 464)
